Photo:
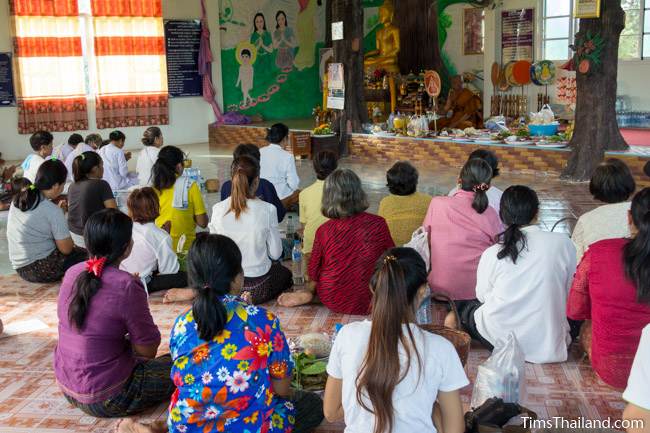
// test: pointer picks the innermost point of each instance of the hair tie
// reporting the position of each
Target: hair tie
(53, 158)
(389, 258)
(96, 266)
(481, 187)
(32, 187)
(83, 157)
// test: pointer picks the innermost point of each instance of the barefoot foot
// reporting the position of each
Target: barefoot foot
(294, 299)
(131, 426)
(178, 295)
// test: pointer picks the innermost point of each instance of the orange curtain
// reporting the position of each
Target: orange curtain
(130, 63)
(51, 85)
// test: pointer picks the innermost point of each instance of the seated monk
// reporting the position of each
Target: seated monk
(465, 107)
(388, 42)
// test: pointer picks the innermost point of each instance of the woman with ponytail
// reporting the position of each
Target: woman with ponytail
(231, 362)
(461, 228)
(522, 284)
(611, 292)
(253, 225)
(385, 375)
(88, 194)
(40, 246)
(181, 203)
(105, 361)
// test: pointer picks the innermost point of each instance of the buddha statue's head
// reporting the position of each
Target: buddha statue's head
(386, 12)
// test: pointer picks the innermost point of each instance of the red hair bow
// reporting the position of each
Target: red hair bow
(96, 266)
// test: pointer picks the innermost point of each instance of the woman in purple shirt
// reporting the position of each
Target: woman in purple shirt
(104, 361)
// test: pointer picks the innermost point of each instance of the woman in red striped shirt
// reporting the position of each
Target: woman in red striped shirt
(345, 249)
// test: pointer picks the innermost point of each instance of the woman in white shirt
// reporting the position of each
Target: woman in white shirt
(253, 225)
(613, 184)
(637, 393)
(279, 166)
(386, 375)
(116, 170)
(523, 282)
(152, 257)
(153, 141)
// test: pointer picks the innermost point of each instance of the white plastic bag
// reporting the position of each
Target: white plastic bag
(503, 375)
(420, 243)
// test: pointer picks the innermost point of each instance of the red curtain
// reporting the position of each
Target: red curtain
(49, 64)
(130, 63)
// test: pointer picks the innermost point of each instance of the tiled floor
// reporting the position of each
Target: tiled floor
(30, 401)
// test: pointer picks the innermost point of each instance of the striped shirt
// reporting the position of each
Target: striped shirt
(343, 260)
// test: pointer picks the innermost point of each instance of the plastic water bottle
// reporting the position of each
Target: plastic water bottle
(291, 227)
(296, 264)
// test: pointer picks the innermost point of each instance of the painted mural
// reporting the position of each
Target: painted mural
(270, 56)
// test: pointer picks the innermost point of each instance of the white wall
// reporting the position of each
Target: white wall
(188, 117)
(454, 44)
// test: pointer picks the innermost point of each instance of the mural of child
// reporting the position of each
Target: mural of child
(284, 40)
(246, 59)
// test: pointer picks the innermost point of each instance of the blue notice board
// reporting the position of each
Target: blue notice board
(182, 43)
(7, 94)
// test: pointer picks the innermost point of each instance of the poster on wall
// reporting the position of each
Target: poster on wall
(7, 94)
(587, 9)
(473, 31)
(182, 44)
(336, 86)
(517, 35)
(270, 56)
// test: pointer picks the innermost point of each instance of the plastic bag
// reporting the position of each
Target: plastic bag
(503, 375)
(420, 243)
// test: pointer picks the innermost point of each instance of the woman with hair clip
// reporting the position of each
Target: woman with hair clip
(152, 139)
(253, 225)
(104, 361)
(461, 228)
(611, 292)
(232, 366)
(386, 374)
(522, 284)
(181, 203)
(88, 194)
(115, 159)
(40, 246)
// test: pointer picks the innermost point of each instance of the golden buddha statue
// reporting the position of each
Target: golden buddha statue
(388, 42)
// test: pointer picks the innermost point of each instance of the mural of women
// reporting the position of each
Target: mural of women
(306, 29)
(284, 40)
(263, 41)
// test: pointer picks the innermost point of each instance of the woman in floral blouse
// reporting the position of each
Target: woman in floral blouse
(232, 367)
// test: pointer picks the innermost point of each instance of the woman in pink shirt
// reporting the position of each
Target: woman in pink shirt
(462, 227)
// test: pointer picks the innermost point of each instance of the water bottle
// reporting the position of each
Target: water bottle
(291, 227)
(296, 264)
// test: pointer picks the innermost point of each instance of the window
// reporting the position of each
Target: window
(559, 28)
(106, 55)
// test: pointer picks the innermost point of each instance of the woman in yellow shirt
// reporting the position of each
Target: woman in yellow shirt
(405, 208)
(181, 203)
(311, 197)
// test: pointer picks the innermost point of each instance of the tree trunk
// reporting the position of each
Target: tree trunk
(349, 51)
(418, 25)
(596, 128)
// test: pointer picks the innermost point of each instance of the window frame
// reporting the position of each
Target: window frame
(644, 6)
